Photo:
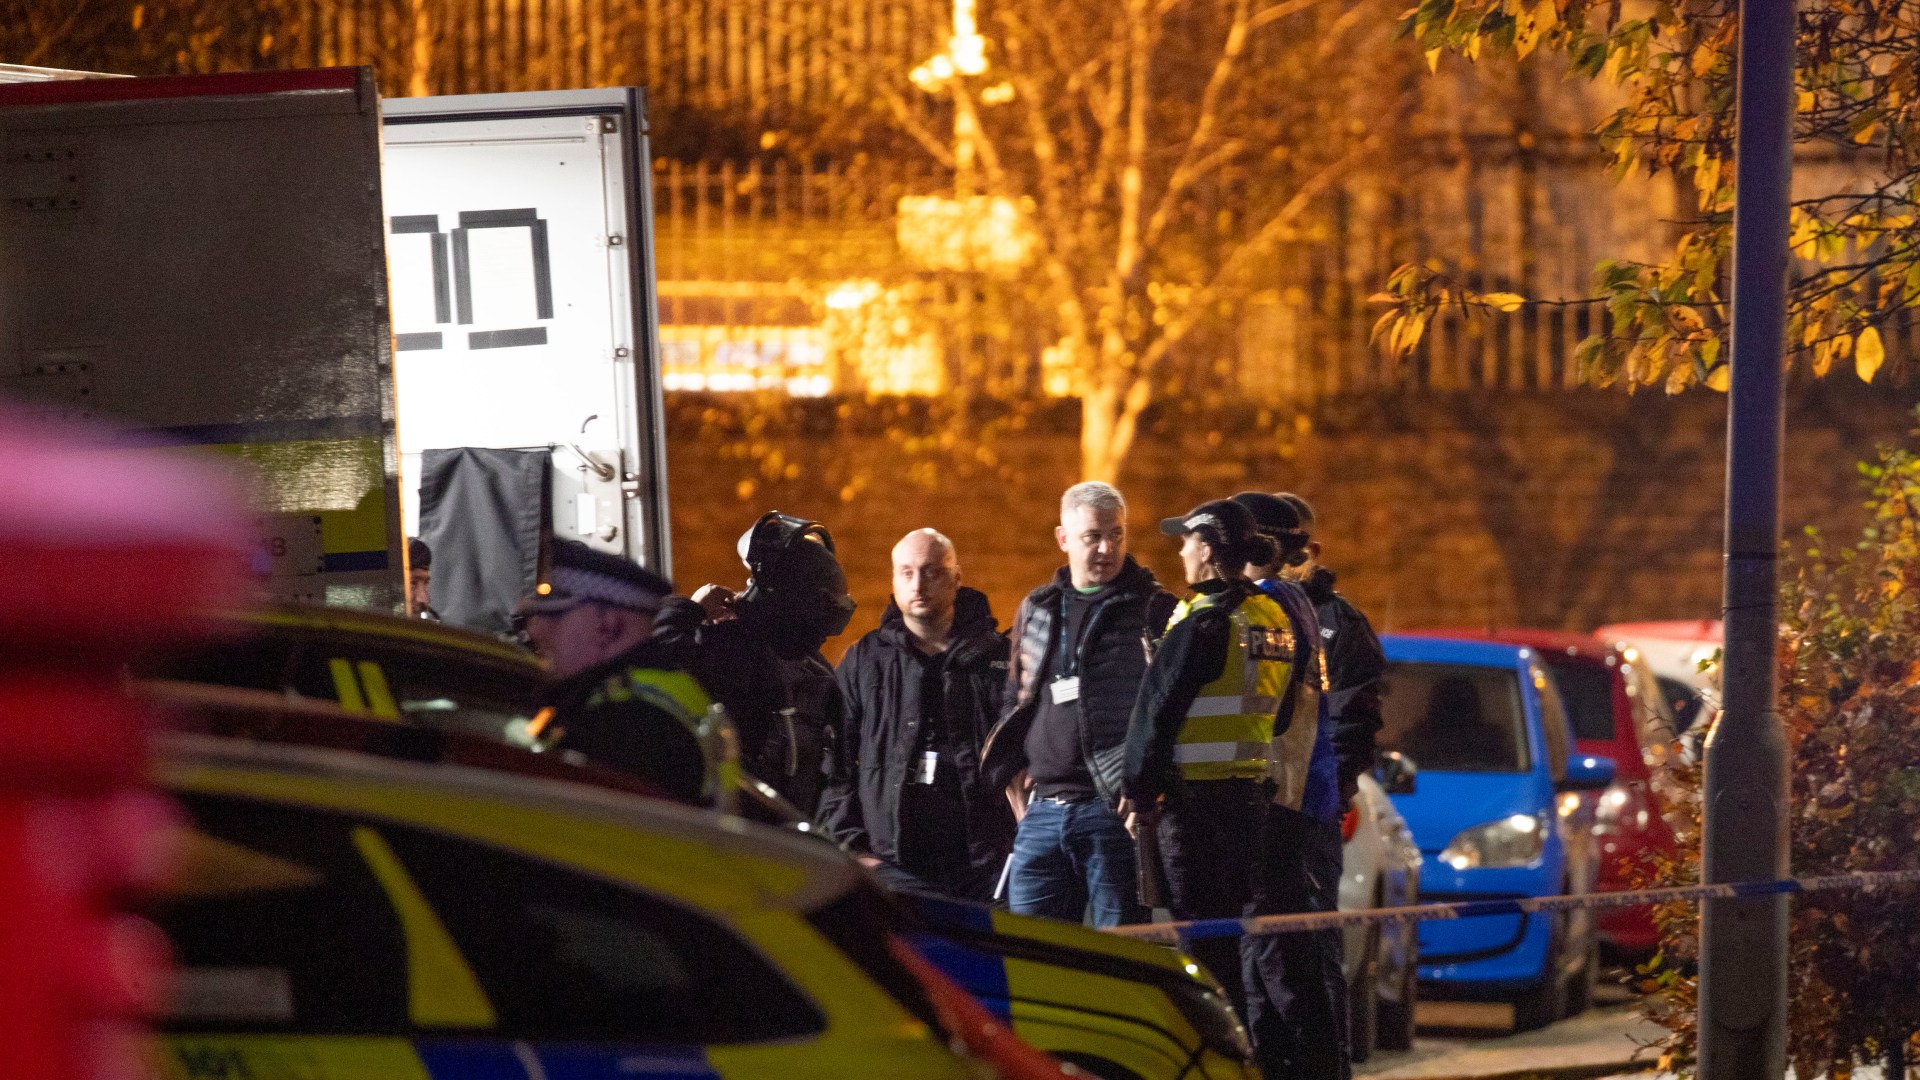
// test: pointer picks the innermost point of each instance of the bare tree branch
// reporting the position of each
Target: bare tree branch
(1279, 11)
(49, 40)
(918, 130)
(1185, 172)
(1271, 230)
(1126, 256)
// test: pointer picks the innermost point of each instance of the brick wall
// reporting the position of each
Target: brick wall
(1566, 509)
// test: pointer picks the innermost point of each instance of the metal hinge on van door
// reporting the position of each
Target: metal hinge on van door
(56, 385)
(42, 179)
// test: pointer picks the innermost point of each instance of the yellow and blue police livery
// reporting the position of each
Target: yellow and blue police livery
(1141, 1008)
(1116, 1008)
(344, 917)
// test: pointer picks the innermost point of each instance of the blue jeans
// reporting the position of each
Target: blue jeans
(1069, 857)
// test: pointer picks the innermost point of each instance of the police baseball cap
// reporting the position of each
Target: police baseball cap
(578, 574)
(1274, 515)
(1300, 507)
(1219, 521)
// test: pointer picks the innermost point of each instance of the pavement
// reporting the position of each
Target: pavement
(1473, 1041)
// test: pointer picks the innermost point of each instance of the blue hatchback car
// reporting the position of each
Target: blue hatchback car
(1498, 814)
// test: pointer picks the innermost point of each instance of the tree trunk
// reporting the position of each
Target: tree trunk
(420, 63)
(1109, 419)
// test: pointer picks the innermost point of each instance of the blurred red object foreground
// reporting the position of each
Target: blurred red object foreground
(103, 549)
(981, 1037)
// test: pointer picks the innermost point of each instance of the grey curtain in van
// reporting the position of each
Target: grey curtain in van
(482, 512)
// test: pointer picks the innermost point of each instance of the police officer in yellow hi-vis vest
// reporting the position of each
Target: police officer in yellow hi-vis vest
(1220, 688)
(617, 698)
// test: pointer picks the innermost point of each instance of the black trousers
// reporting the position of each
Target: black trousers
(1296, 991)
(1209, 835)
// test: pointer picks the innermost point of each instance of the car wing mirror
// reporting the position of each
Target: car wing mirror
(1587, 773)
(1397, 773)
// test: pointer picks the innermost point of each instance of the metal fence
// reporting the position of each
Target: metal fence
(758, 246)
(749, 62)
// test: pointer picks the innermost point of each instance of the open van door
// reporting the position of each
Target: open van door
(199, 259)
(521, 254)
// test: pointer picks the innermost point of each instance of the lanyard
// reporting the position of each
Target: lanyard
(1069, 663)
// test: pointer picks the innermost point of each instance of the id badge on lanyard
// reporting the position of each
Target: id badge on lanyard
(1066, 688)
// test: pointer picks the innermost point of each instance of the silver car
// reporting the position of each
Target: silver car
(1380, 869)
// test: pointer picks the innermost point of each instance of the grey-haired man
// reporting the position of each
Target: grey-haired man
(1080, 647)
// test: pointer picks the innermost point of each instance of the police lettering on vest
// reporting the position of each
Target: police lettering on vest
(1228, 733)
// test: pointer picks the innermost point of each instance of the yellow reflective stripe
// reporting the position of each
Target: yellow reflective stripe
(1216, 752)
(441, 989)
(239, 1057)
(379, 697)
(345, 686)
(1230, 705)
(1234, 705)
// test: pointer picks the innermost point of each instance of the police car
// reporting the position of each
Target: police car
(339, 916)
(1119, 1009)
(1116, 1008)
(411, 671)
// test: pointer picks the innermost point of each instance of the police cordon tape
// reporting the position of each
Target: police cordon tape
(1177, 933)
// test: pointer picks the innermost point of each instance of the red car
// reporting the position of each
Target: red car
(1616, 710)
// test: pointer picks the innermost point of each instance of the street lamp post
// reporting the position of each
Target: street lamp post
(1743, 959)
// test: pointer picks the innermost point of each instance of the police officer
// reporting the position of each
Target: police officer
(1217, 704)
(617, 698)
(1355, 661)
(761, 656)
(1297, 1000)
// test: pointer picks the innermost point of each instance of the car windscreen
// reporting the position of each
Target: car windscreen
(1455, 717)
(1587, 691)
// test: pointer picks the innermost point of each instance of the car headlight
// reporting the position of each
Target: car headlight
(1511, 841)
(1212, 1015)
(1623, 809)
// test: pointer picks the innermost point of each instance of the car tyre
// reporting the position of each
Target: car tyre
(1545, 1002)
(1363, 1002)
(1394, 1020)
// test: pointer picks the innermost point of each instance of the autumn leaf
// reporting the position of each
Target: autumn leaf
(1868, 354)
(1503, 301)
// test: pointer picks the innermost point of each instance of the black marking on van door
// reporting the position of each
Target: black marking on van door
(429, 224)
(507, 339)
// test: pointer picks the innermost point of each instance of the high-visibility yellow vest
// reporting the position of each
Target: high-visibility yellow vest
(681, 696)
(1228, 733)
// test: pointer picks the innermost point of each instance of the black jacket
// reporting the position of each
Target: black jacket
(788, 750)
(1113, 652)
(632, 735)
(881, 680)
(1355, 663)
